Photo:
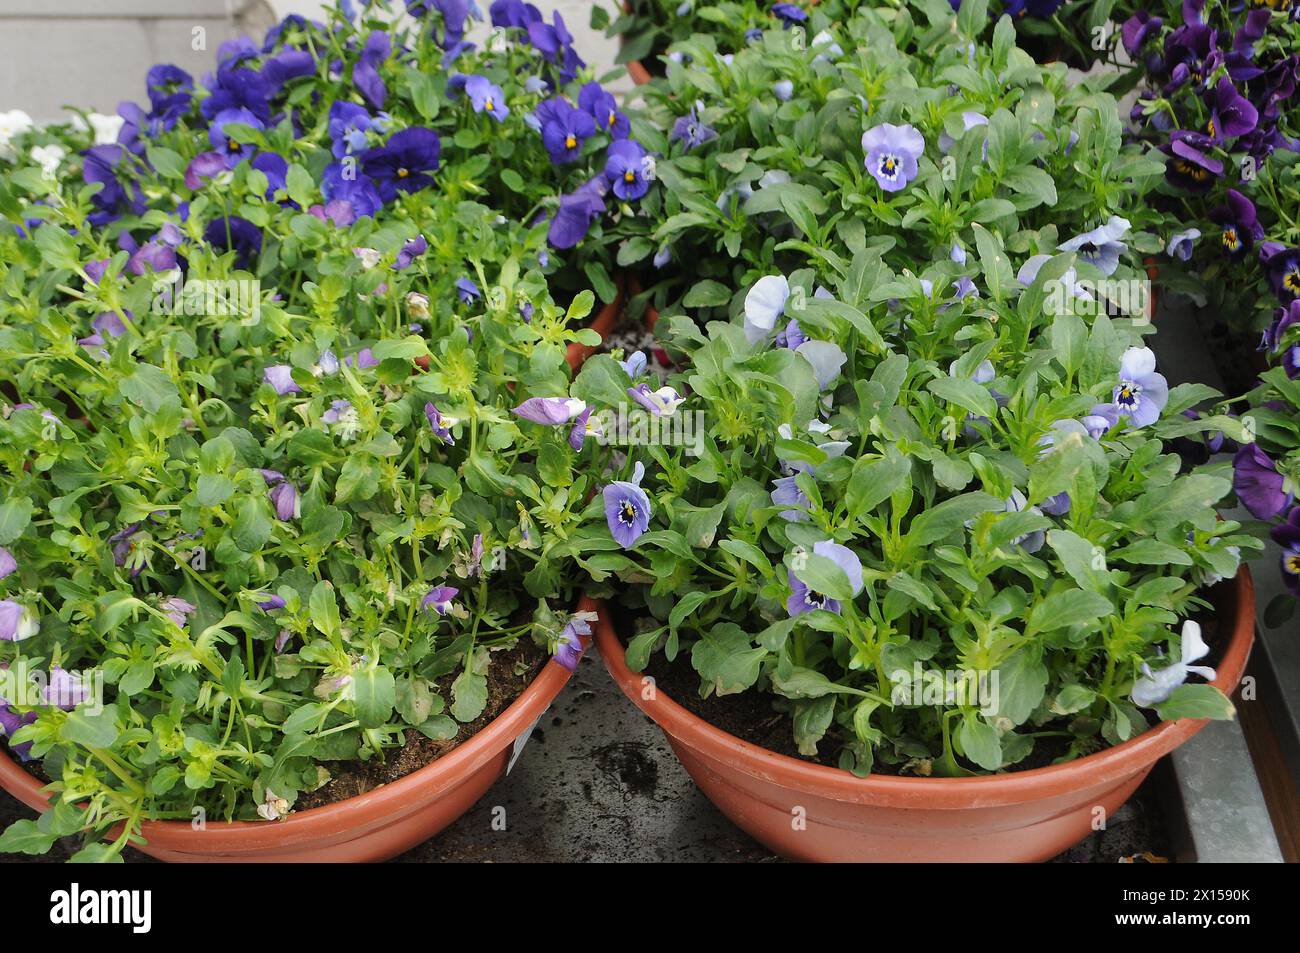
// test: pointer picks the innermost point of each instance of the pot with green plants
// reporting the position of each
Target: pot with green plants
(282, 489)
(900, 559)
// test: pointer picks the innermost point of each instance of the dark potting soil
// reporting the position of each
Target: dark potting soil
(504, 686)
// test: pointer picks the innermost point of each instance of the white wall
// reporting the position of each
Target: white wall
(94, 53)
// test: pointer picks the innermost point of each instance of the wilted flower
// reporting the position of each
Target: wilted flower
(569, 649)
(1182, 243)
(17, 622)
(284, 496)
(273, 807)
(8, 564)
(341, 417)
(1156, 687)
(550, 411)
(441, 426)
(177, 609)
(409, 252)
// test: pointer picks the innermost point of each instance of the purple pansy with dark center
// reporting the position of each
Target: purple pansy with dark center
(690, 130)
(627, 508)
(1280, 342)
(803, 599)
(1102, 246)
(232, 151)
(1239, 224)
(1283, 269)
(891, 154)
(1141, 393)
(1188, 167)
(1287, 535)
(1232, 115)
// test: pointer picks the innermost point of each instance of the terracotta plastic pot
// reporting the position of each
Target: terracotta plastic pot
(810, 812)
(604, 322)
(372, 827)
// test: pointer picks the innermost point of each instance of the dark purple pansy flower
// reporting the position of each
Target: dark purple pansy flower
(411, 251)
(514, 13)
(1276, 338)
(1233, 115)
(152, 256)
(627, 508)
(603, 108)
(1287, 535)
(555, 43)
(365, 74)
(290, 64)
(564, 129)
(1258, 485)
(235, 234)
(1239, 223)
(625, 170)
(1137, 30)
(348, 196)
(403, 164)
(789, 14)
(454, 15)
(237, 88)
(232, 151)
(1284, 273)
(112, 200)
(1188, 167)
(576, 213)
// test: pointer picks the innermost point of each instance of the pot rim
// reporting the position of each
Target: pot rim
(391, 800)
(1099, 768)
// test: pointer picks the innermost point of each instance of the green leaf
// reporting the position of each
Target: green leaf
(966, 394)
(15, 514)
(980, 742)
(167, 162)
(706, 294)
(89, 731)
(726, 658)
(1196, 701)
(149, 387)
(469, 696)
(253, 524)
(875, 481)
(993, 262)
(1021, 684)
(1066, 608)
(941, 521)
(823, 575)
(324, 610)
(300, 185)
(376, 694)
(24, 837)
